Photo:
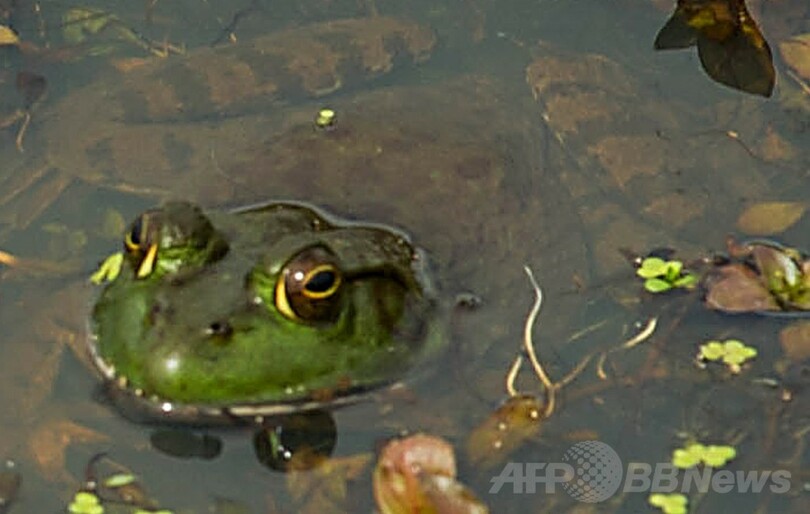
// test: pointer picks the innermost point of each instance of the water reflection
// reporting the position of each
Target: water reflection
(731, 48)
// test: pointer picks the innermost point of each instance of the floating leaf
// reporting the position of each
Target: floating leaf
(119, 480)
(738, 288)
(671, 503)
(688, 457)
(657, 285)
(672, 270)
(768, 218)
(732, 352)
(778, 268)
(85, 502)
(712, 351)
(717, 456)
(731, 48)
(737, 353)
(652, 267)
(664, 275)
(686, 282)
(696, 453)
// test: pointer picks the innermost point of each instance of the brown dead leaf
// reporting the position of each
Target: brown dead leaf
(505, 430)
(796, 53)
(795, 341)
(324, 489)
(8, 36)
(49, 442)
(126, 65)
(737, 288)
(776, 148)
(768, 218)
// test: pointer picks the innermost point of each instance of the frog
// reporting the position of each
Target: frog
(260, 311)
(492, 171)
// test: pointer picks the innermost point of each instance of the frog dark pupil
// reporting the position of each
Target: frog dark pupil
(135, 233)
(321, 282)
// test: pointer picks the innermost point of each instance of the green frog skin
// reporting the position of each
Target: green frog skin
(263, 310)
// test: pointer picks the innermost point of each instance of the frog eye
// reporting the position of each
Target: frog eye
(308, 286)
(136, 243)
(134, 238)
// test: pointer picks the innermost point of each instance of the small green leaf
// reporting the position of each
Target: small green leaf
(85, 502)
(672, 503)
(717, 456)
(687, 281)
(657, 285)
(119, 480)
(673, 270)
(712, 351)
(688, 457)
(85, 498)
(652, 267)
(736, 353)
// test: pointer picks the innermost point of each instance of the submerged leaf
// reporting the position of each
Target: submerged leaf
(795, 341)
(514, 423)
(768, 218)
(80, 22)
(796, 53)
(8, 36)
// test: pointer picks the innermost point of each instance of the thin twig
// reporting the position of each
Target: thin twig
(511, 376)
(21, 132)
(634, 341)
(642, 336)
(528, 345)
(8, 259)
(574, 373)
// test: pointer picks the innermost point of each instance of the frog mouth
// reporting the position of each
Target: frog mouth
(140, 406)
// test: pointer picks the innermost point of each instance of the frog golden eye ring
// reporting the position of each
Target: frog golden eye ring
(134, 238)
(320, 282)
(147, 265)
(308, 287)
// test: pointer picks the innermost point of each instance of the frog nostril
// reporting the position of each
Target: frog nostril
(219, 328)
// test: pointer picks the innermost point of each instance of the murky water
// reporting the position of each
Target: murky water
(541, 133)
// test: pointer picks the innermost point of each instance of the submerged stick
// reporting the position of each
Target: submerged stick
(528, 344)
